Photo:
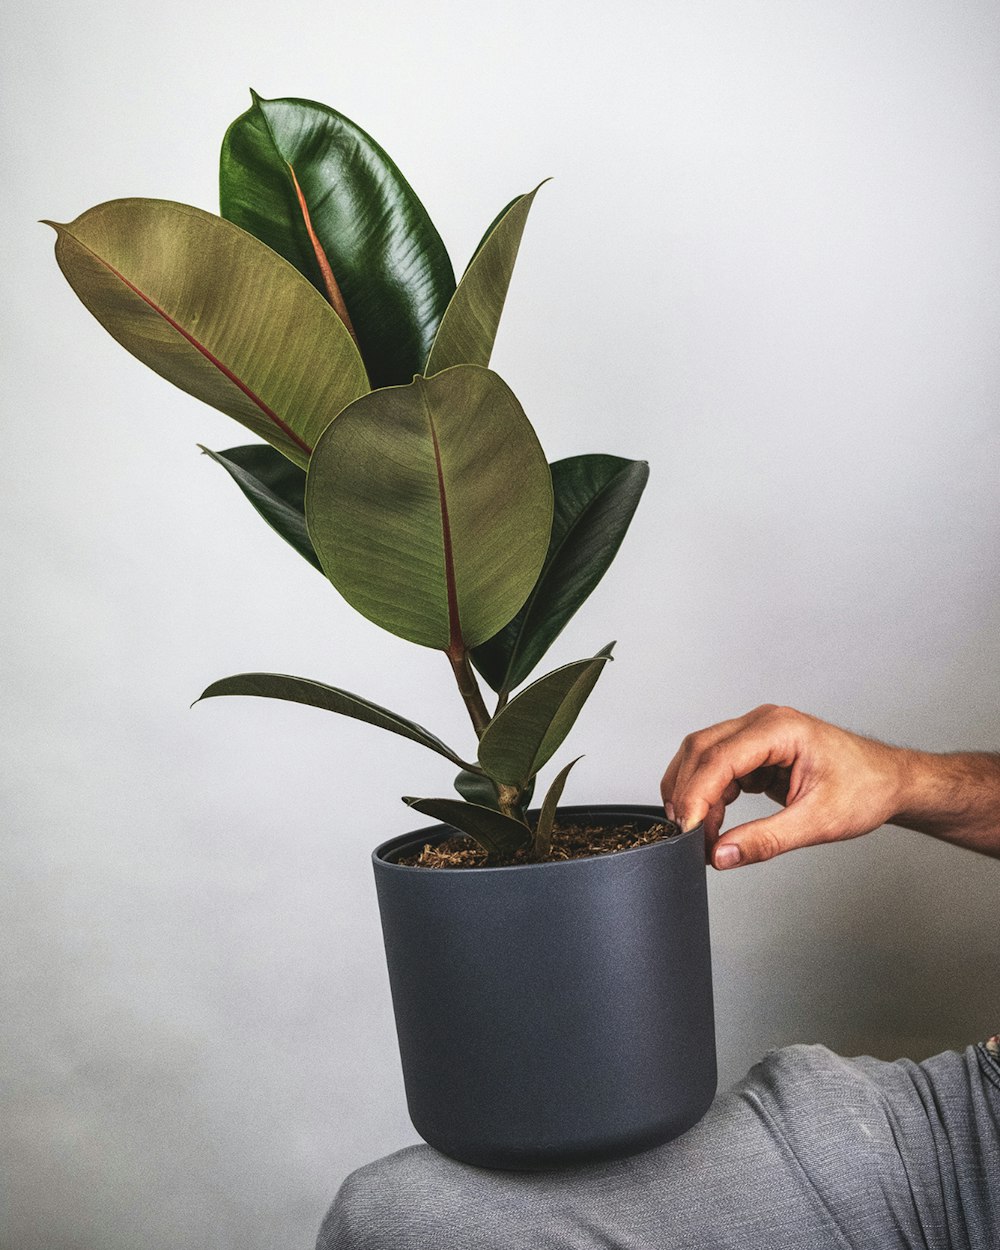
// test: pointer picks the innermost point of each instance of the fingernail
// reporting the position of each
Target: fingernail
(727, 855)
(668, 809)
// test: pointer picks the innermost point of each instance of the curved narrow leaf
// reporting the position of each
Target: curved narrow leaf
(526, 734)
(275, 487)
(469, 325)
(595, 499)
(321, 192)
(330, 699)
(547, 816)
(430, 507)
(499, 835)
(217, 313)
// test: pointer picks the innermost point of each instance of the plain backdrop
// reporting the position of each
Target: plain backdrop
(767, 263)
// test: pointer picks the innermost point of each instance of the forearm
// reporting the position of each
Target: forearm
(955, 797)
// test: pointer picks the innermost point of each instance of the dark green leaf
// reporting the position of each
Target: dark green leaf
(523, 737)
(469, 325)
(275, 487)
(595, 498)
(547, 816)
(430, 506)
(475, 788)
(330, 699)
(322, 193)
(498, 835)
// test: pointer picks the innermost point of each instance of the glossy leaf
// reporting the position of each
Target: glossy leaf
(330, 699)
(217, 313)
(499, 835)
(525, 735)
(321, 192)
(430, 507)
(275, 487)
(595, 499)
(469, 325)
(542, 842)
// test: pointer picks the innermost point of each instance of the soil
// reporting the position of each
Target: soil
(571, 842)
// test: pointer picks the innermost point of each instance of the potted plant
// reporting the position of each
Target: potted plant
(552, 1006)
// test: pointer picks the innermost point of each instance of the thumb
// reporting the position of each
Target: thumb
(759, 840)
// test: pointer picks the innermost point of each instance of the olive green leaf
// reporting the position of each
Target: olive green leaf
(469, 325)
(523, 737)
(430, 507)
(499, 835)
(595, 498)
(321, 192)
(214, 311)
(329, 698)
(275, 486)
(542, 841)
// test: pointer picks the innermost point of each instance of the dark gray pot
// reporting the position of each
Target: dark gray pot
(552, 1014)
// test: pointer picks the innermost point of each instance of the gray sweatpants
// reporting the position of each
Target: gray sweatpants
(809, 1151)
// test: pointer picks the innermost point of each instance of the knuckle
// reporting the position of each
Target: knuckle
(763, 847)
(715, 755)
(694, 743)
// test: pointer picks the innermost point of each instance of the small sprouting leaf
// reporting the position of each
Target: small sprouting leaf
(499, 835)
(542, 843)
(330, 699)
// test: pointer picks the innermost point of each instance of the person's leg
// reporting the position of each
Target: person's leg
(809, 1152)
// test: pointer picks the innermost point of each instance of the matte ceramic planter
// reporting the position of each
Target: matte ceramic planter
(552, 1014)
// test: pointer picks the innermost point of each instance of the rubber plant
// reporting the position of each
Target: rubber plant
(321, 311)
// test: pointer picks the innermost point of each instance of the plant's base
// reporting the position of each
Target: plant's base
(571, 842)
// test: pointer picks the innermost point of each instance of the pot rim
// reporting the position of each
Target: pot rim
(604, 809)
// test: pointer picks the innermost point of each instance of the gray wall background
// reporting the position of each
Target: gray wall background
(767, 263)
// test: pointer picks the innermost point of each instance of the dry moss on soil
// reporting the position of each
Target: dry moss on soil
(573, 842)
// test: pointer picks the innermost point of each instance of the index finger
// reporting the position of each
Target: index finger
(704, 778)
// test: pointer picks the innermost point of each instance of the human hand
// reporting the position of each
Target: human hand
(831, 783)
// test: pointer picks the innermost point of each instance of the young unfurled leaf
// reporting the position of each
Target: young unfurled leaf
(542, 840)
(523, 737)
(469, 325)
(276, 487)
(595, 498)
(217, 313)
(430, 507)
(329, 698)
(321, 192)
(500, 836)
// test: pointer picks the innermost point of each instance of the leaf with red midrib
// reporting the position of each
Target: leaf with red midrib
(217, 313)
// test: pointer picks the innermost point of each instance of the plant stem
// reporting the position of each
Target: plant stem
(510, 799)
(468, 688)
